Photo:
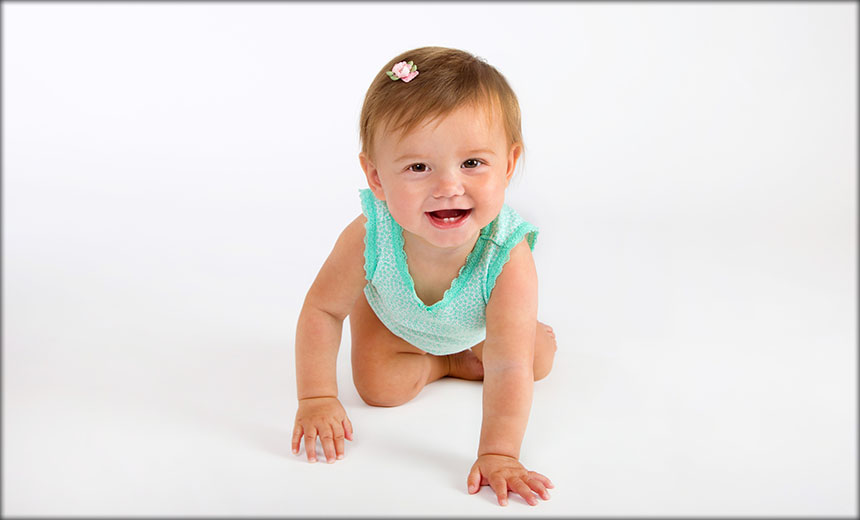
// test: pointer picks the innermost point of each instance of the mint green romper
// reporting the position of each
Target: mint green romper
(459, 320)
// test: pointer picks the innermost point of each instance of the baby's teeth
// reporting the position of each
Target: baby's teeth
(448, 220)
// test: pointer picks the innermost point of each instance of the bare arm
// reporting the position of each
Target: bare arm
(508, 355)
(329, 300)
(508, 358)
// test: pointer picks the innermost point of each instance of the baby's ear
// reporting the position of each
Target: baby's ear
(513, 156)
(372, 175)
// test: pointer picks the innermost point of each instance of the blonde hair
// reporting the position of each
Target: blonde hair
(447, 80)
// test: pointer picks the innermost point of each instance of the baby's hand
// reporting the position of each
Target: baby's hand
(503, 472)
(326, 418)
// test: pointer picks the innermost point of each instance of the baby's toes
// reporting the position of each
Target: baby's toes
(466, 365)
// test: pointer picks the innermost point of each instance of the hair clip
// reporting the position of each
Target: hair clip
(404, 71)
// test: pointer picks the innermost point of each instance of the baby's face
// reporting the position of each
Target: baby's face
(446, 179)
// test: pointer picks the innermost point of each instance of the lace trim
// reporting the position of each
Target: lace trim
(499, 262)
(368, 207)
(456, 285)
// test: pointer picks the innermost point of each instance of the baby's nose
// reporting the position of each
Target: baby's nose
(448, 184)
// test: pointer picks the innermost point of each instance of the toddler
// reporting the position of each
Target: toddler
(436, 274)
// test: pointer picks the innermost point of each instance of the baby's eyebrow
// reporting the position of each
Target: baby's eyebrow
(407, 156)
(486, 151)
(482, 150)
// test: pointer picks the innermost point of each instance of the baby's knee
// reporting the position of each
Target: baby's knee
(378, 399)
(375, 391)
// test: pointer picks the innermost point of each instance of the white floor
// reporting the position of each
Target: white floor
(167, 202)
(123, 398)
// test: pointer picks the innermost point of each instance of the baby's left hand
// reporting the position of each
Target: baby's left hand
(503, 472)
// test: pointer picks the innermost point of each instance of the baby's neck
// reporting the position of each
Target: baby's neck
(419, 250)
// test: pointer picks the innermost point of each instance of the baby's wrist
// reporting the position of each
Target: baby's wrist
(514, 456)
(317, 397)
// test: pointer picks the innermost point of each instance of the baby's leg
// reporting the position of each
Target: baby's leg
(386, 369)
(545, 347)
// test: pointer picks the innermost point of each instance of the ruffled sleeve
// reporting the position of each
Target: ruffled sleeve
(505, 233)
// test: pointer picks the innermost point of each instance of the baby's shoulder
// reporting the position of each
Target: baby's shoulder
(509, 228)
(354, 231)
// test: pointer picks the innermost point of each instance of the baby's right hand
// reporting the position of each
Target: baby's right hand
(326, 418)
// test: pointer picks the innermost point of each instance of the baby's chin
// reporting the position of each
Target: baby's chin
(451, 240)
(442, 237)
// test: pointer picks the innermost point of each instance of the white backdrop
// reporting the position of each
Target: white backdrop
(175, 174)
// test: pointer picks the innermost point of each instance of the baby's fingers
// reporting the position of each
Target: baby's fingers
(327, 438)
(473, 482)
(539, 487)
(546, 482)
(311, 444)
(297, 437)
(500, 486)
(523, 489)
(347, 428)
(338, 440)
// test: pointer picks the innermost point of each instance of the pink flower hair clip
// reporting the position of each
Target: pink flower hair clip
(403, 70)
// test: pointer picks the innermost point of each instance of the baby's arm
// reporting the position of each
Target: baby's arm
(329, 300)
(508, 358)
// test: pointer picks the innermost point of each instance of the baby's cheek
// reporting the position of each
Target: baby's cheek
(401, 215)
(494, 201)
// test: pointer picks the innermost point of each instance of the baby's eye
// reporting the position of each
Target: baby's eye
(418, 168)
(472, 163)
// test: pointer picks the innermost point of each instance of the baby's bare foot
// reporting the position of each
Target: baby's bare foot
(549, 331)
(465, 365)
(546, 346)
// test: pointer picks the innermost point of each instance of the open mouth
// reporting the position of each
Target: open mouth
(448, 218)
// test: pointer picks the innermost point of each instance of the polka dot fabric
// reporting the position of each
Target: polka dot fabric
(459, 320)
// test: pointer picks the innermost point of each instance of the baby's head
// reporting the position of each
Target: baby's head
(448, 138)
(447, 79)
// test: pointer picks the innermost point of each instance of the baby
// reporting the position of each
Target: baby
(436, 274)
